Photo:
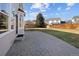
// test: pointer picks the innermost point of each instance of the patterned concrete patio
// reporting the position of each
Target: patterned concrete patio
(37, 43)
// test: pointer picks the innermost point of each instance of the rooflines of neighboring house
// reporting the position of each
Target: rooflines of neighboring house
(76, 17)
(52, 19)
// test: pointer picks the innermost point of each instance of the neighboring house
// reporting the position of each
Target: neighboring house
(69, 21)
(13, 21)
(75, 19)
(34, 21)
(62, 22)
(53, 21)
(30, 24)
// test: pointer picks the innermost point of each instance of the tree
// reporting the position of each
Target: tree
(40, 20)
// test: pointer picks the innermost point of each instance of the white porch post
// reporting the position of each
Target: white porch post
(9, 18)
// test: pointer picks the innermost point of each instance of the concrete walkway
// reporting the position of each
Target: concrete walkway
(37, 43)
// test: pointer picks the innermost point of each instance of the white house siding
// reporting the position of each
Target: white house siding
(53, 21)
(75, 19)
(19, 14)
(7, 38)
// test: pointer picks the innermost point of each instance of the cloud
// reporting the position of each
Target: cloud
(41, 6)
(70, 5)
(25, 11)
(68, 8)
(36, 5)
(42, 10)
(44, 15)
(59, 8)
(31, 15)
(57, 14)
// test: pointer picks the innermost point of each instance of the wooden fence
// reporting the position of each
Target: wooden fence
(64, 26)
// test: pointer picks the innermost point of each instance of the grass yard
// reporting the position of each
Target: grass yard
(70, 38)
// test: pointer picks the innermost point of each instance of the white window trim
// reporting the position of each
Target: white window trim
(4, 13)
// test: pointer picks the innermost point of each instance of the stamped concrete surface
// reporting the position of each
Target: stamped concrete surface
(37, 43)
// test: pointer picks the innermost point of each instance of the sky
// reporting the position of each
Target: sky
(65, 11)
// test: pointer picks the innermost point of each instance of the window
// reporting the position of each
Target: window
(12, 24)
(20, 24)
(3, 22)
(3, 17)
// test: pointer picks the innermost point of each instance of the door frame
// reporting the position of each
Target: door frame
(16, 24)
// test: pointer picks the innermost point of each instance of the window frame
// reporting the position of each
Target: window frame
(6, 29)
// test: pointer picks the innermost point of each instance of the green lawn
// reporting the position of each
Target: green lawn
(70, 38)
